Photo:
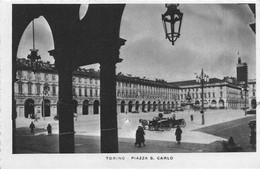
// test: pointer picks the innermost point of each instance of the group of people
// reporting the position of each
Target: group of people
(139, 136)
(49, 128)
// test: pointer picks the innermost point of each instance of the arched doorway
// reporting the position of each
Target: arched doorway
(197, 103)
(85, 107)
(206, 103)
(154, 106)
(75, 105)
(221, 104)
(122, 106)
(96, 107)
(29, 108)
(213, 103)
(130, 105)
(164, 105)
(172, 105)
(159, 106)
(168, 105)
(143, 106)
(149, 106)
(46, 111)
(136, 106)
(253, 103)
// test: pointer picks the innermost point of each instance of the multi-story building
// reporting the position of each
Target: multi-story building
(32, 91)
(134, 94)
(217, 93)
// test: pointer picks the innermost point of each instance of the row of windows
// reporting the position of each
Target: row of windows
(199, 95)
(197, 89)
(86, 80)
(92, 92)
(143, 87)
(37, 76)
(135, 94)
(38, 89)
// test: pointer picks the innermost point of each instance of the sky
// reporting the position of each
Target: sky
(213, 36)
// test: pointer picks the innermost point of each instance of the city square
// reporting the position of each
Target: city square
(194, 139)
(130, 81)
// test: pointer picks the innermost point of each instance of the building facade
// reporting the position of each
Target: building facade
(217, 93)
(37, 93)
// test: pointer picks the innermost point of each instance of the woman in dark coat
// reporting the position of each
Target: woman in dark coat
(139, 136)
(178, 134)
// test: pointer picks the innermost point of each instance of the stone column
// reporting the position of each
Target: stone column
(65, 111)
(108, 119)
(64, 105)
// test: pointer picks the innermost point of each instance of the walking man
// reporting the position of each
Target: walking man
(32, 126)
(139, 137)
(49, 129)
(178, 133)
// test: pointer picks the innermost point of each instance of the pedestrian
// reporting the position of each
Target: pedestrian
(191, 117)
(49, 129)
(32, 126)
(178, 133)
(139, 136)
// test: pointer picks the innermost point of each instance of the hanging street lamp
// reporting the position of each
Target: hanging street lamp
(172, 20)
(33, 57)
(202, 79)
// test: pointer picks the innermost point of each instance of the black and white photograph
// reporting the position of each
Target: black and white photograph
(159, 84)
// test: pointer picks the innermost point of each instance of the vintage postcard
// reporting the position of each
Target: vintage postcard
(111, 84)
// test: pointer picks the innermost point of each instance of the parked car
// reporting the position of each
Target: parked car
(135, 111)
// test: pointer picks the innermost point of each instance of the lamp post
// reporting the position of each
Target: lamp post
(44, 93)
(202, 79)
(33, 56)
(172, 20)
(245, 89)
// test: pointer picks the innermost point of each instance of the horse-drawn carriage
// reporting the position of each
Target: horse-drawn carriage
(161, 124)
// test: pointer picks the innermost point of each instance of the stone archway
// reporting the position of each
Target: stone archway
(148, 106)
(137, 106)
(96, 107)
(154, 106)
(221, 104)
(168, 105)
(213, 104)
(29, 108)
(143, 106)
(159, 106)
(78, 44)
(164, 106)
(130, 106)
(197, 103)
(172, 105)
(85, 107)
(46, 110)
(122, 106)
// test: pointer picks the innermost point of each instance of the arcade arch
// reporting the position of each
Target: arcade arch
(29, 108)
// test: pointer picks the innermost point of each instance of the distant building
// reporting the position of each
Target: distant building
(242, 71)
(133, 93)
(217, 93)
